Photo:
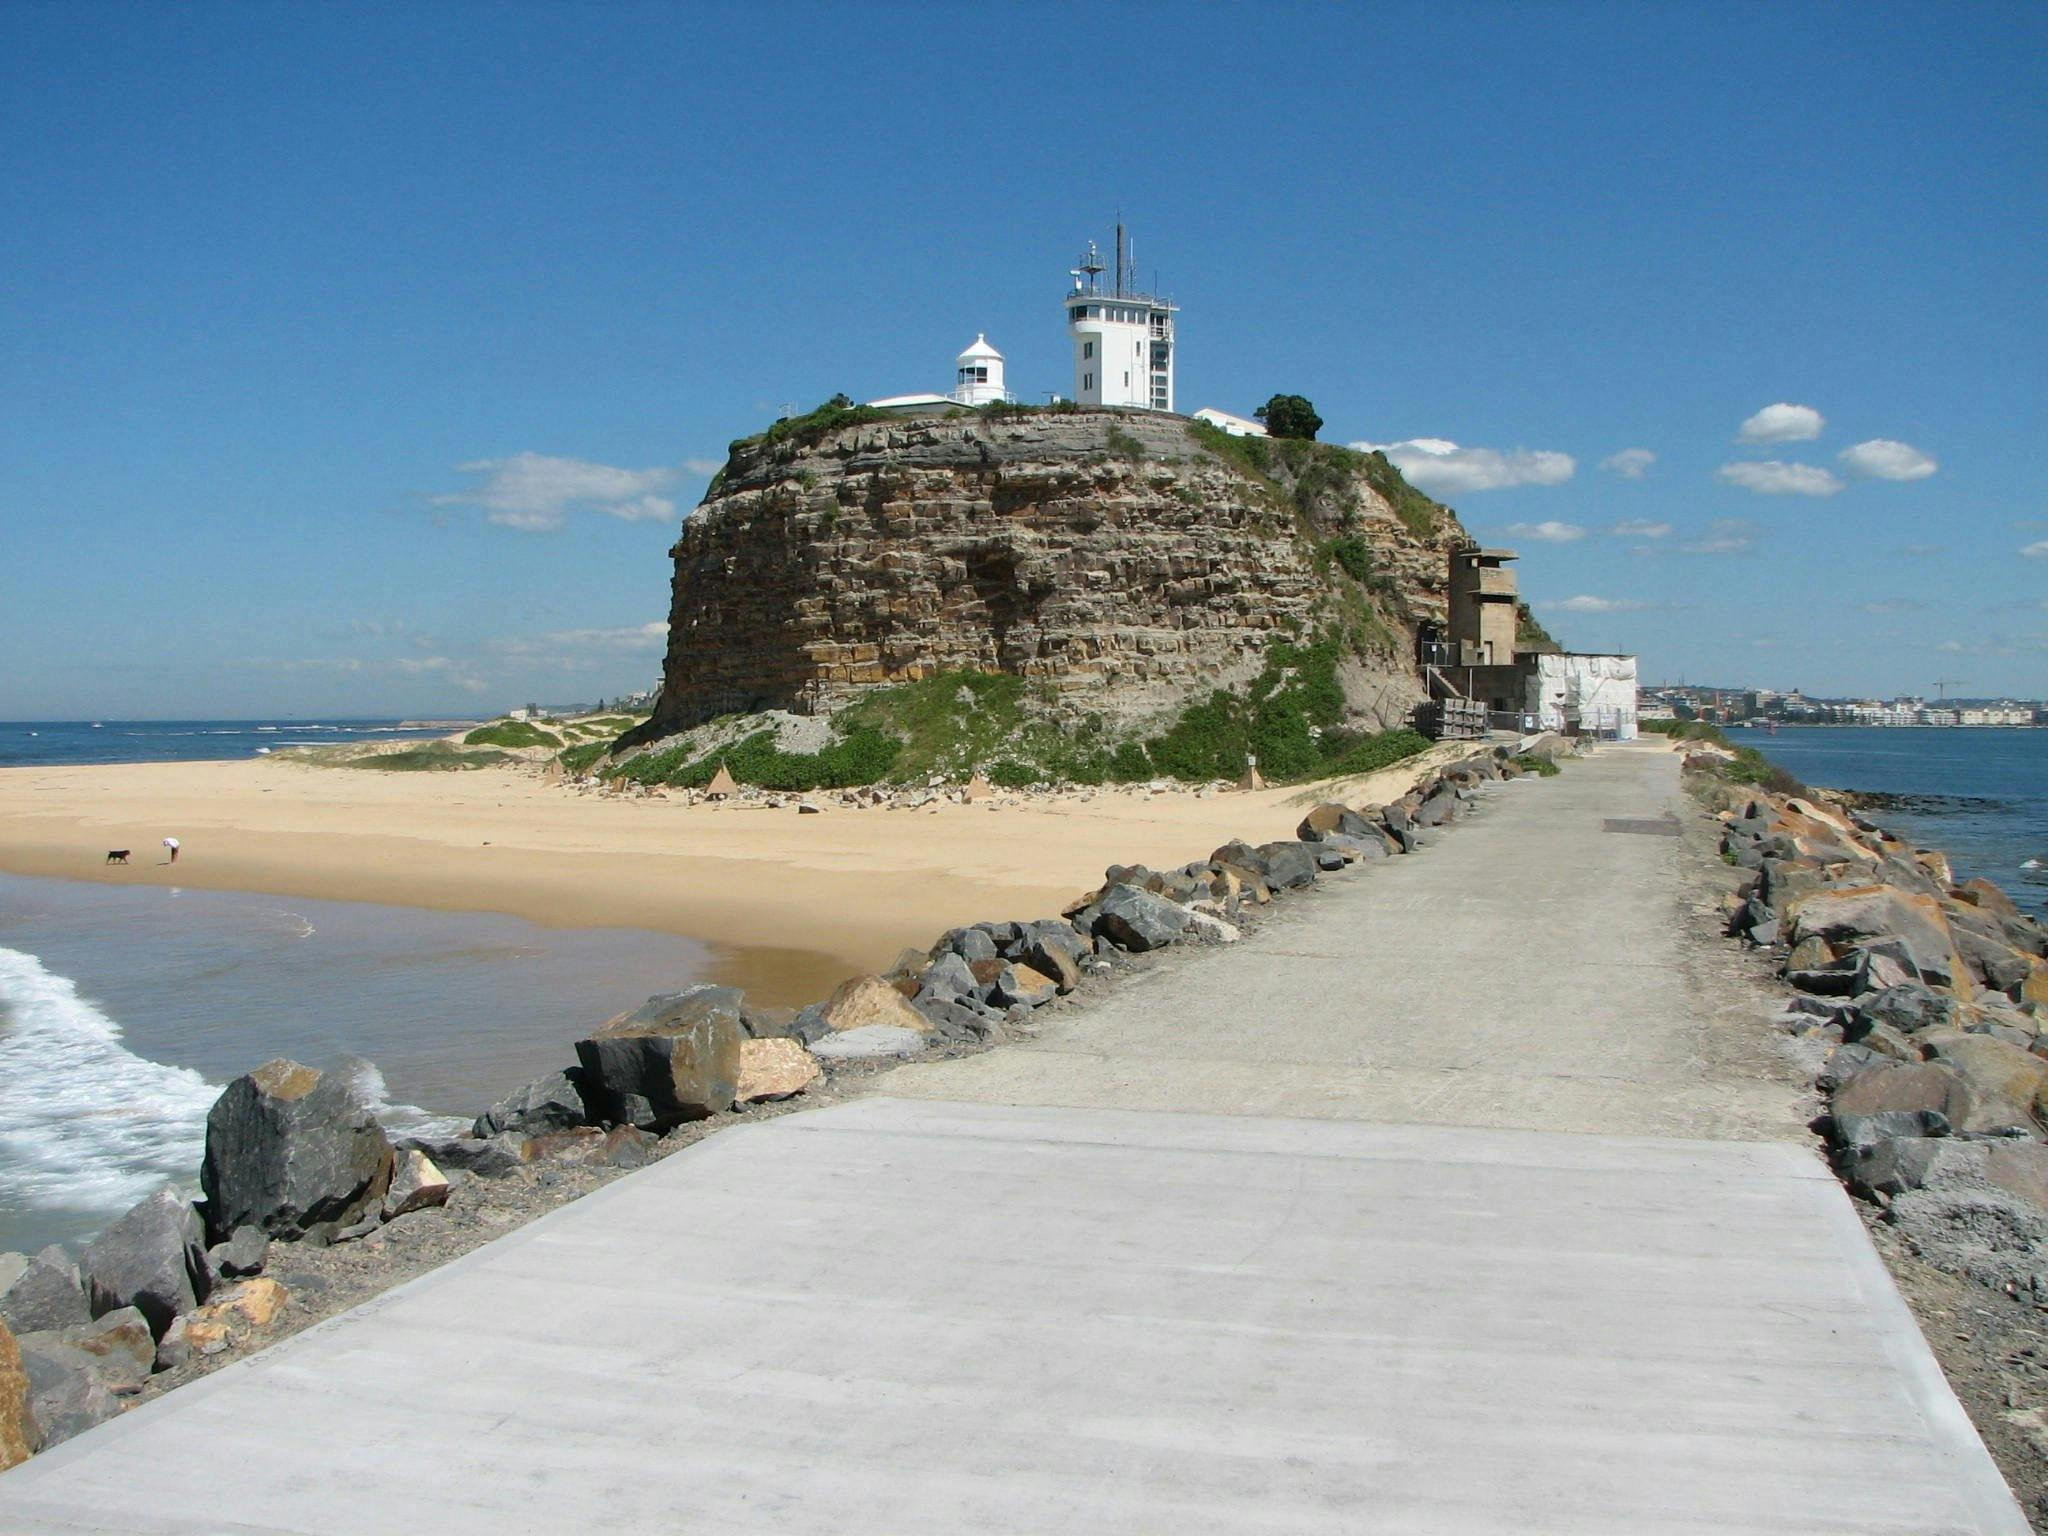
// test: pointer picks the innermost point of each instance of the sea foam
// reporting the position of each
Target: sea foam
(85, 1123)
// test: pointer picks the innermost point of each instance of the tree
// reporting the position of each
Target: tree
(1290, 416)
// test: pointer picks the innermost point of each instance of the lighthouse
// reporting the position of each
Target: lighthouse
(1123, 337)
(980, 374)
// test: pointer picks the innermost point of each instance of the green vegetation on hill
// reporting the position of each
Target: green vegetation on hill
(579, 760)
(511, 733)
(1748, 767)
(1529, 629)
(957, 723)
(1290, 416)
(839, 411)
(428, 757)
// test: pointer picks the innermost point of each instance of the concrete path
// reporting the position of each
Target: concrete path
(1531, 969)
(915, 1315)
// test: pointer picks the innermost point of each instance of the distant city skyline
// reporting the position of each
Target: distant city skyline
(365, 361)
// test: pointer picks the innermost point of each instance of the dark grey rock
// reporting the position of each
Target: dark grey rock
(1330, 858)
(1290, 864)
(153, 1259)
(810, 1025)
(1892, 1166)
(1437, 808)
(661, 1072)
(119, 1348)
(1866, 1130)
(1003, 935)
(1138, 920)
(1843, 1063)
(679, 1010)
(551, 1103)
(242, 1254)
(970, 944)
(948, 979)
(47, 1294)
(487, 1157)
(1910, 1008)
(65, 1400)
(958, 1018)
(288, 1148)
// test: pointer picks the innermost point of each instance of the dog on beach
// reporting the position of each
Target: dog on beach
(117, 855)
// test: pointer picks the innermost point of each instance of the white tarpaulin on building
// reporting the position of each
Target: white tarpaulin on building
(1595, 693)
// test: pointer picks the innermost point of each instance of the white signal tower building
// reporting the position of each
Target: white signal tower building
(1123, 338)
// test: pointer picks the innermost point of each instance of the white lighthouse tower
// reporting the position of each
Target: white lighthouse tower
(980, 374)
(1123, 338)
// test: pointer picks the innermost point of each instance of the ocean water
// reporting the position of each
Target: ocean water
(1979, 795)
(48, 743)
(124, 1010)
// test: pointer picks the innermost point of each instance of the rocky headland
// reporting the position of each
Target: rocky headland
(1127, 560)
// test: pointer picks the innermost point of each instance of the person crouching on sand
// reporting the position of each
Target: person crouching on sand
(172, 844)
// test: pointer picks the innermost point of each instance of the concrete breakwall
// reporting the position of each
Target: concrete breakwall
(309, 1205)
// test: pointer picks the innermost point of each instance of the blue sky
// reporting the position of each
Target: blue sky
(273, 277)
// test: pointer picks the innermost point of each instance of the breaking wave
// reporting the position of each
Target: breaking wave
(85, 1123)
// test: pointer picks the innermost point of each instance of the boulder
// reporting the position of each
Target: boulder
(416, 1184)
(624, 1146)
(962, 1019)
(153, 1259)
(1328, 818)
(1906, 1089)
(1909, 1008)
(47, 1294)
(1022, 986)
(18, 1434)
(1982, 893)
(870, 1042)
(1289, 864)
(861, 1002)
(1138, 920)
(234, 1313)
(948, 977)
(773, 1069)
(1844, 915)
(175, 1347)
(289, 1149)
(970, 944)
(488, 1157)
(663, 1065)
(1055, 959)
(677, 1011)
(1993, 962)
(242, 1254)
(65, 1399)
(118, 1348)
(1439, 807)
(551, 1103)
(2007, 1081)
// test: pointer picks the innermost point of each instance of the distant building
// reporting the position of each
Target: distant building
(1236, 426)
(1483, 660)
(1123, 338)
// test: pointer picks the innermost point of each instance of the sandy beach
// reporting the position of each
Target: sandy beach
(792, 903)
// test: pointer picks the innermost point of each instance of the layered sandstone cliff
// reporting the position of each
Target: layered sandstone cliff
(1117, 557)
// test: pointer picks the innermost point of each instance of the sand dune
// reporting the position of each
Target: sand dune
(793, 903)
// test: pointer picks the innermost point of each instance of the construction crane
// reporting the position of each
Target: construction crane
(1943, 684)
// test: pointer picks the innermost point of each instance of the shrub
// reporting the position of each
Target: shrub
(511, 733)
(580, 760)
(1290, 416)
(1542, 767)
(1353, 556)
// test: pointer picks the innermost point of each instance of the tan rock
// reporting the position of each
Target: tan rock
(773, 1069)
(2009, 1081)
(1982, 893)
(864, 1000)
(252, 1303)
(416, 1184)
(18, 1433)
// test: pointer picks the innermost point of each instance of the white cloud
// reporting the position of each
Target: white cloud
(1437, 464)
(1641, 528)
(536, 492)
(1883, 459)
(2038, 550)
(1783, 423)
(1583, 604)
(1773, 477)
(1547, 532)
(1724, 536)
(703, 466)
(1630, 463)
(564, 643)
